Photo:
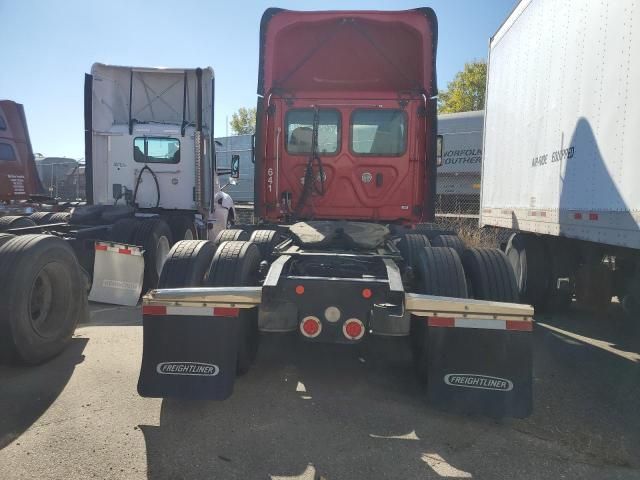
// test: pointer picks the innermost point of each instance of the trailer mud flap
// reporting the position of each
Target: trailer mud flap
(189, 352)
(117, 274)
(480, 366)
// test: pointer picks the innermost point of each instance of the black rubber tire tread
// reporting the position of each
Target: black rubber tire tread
(123, 231)
(431, 230)
(22, 259)
(5, 237)
(231, 235)
(531, 266)
(41, 218)
(188, 264)
(440, 272)
(146, 236)
(266, 241)
(451, 241)
(179, 224)
(490, 274)
(15, 221)
(236, 264)
(60, 217)
(410, 246)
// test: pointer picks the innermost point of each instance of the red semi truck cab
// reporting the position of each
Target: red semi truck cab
(346, 122)
(18, 175)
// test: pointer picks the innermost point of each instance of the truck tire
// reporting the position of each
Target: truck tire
(490, 275)
(266, 241)
(42, 297)
(14, 221)
(410, 246)
(451, 241)
(188, 264)
(594, 286)
(236, 264)
(182, 228)
(231, 235)
(4, 238)
(60, 217)
(123, 231)
(431, 230)
(529, 260)
(41, 218)
(440, 272)
(154, 236)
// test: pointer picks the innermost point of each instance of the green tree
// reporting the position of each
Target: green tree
(466, 91)
(243, 121)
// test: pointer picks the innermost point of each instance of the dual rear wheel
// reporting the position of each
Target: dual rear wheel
(451, 270)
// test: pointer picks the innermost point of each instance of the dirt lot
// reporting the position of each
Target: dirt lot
(324, 412)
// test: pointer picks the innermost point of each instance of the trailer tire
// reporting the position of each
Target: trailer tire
(231, 235)
(530, 263)
(266, 241)
(60, 217)
(451, 241)
(236, 264)
(410, 246)
(182, 228)
(15, 221)
(490, 275)
(4, 238)
(42, 297)
(154, 236)
(188, 264)
(440, 272)
(123, 231)
(41, 218)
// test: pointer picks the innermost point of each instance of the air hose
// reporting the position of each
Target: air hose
(310, 184)
(139, 179)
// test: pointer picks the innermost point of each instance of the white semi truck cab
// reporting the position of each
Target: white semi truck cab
(150, 144)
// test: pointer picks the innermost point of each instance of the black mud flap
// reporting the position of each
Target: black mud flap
(188, 356)
(480, 371)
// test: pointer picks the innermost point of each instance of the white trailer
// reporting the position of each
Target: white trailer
(560, 149)
(458, 182)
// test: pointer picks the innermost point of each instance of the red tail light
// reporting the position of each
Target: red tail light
(353, 329)
(310, 326)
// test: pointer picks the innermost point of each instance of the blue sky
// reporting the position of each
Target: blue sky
(47, 46)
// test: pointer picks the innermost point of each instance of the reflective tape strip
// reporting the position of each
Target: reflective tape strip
(125, 250)
(190, 311)
(487, 324)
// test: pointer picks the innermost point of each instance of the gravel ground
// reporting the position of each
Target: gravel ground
(321, 412)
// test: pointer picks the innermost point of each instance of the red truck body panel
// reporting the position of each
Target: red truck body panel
(18, 175)
(371, 76)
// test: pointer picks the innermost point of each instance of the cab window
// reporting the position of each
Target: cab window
(7, 153)
(378, 132)
(3, 124)
(299, 129)
(156, 150)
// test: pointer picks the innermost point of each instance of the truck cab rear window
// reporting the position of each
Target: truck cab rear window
(7, 153)
(378, 132)
(300, 131)
(156, 150)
